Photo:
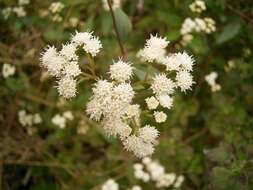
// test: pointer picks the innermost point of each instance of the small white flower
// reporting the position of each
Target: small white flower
(67, 87)
(91, 44)
(149, 133)
(8, 70)
(68, 115)
(139, 147)
(152, 103)
(146, 160)
(23, 2)
(6, 12)
(136, 187)
(165, 100)
(59, 121)
(56, 7)
(71, 69)
(121, 71)
(115, 4)
(52, 61)
(37, 118)
(198, 6)
(162, 85)
(110, 184)
(179, 181)
(138, 166)
(154, 49)
(69, 51)
(211, 80)
(160, 116)
(188, 26)
(184, 80)
(166, 180)
(20, 11)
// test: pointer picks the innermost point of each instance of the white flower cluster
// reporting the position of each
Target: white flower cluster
(55, 8)
(112, 103)
(110, 184)
(211, 80)
(196, 25)
(162, 86)
(18, 10)
(150, 170)
(206, 25)
(8, 70)
(115, 4)
(198, 6)
(64, 64)
(112, 100)
(61, 120)
(28, 120)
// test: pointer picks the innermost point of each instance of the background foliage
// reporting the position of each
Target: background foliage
(208, 136)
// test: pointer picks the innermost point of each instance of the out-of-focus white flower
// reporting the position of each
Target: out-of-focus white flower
(115, 4)
(110, 184)
(198, 6)
(211, 80)
(165, 101)
(184, 80)
(179, 181)
(73, 21)
(82, 127)
(23, 2)
(59, 121)
(152, 103)
(28, 119)
(166, 180)
(210, 25)
(162, 85)
(67, 87)
(37, 118)
(6, 12)
(186, 39)
(136, 187)
(121, 71)
(160, 116)
(56, 7)
(19, 11)
(188, 26)
(68, 115)
(8, 70)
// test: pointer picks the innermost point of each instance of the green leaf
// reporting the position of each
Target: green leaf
(228, 32)
(123, 23)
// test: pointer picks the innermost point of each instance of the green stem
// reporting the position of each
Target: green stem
(92, 65)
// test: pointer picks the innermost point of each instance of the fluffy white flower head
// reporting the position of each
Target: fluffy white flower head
(69, 51)
(67, 87)
(110, 184)
(149, 133)
(160, 116)
(184, 80)
(162, 85)
(121, 71)
(152, 103)
(91, 44)
(165, 101)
